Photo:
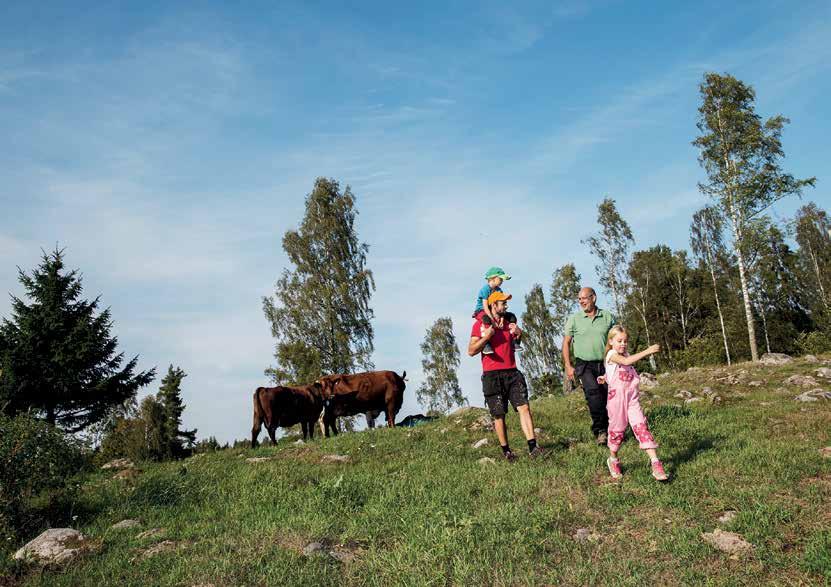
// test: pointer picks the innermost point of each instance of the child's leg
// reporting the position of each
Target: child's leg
(486, 321)
(639, 426)
(616, 410)
(511, 318)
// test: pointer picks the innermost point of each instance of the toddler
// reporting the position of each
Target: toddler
(494, 277)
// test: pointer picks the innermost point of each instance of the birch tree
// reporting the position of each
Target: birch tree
(707, 244)
(741, 156)
(540, 354)
(813, 233)
(440, 390)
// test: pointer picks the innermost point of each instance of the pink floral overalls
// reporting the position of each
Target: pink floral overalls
(624, 406)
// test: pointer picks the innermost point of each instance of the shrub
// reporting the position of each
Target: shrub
(701, 351)
(813, 343)
(36, 459)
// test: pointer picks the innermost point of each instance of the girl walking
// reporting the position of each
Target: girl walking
(623, 403)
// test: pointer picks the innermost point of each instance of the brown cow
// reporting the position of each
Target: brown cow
(286, 406)
(367, 393)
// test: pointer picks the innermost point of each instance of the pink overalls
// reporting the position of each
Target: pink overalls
(624, 406)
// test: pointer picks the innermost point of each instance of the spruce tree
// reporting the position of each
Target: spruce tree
(319, 313)
(57, 357)
(440, 390)
(170, 396)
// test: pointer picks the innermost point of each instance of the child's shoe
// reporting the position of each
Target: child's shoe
(658, 471)
(614, 468)
(487, 349)
(517, 346)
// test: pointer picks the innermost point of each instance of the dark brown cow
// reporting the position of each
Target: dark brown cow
(286, 406)
(361, 393)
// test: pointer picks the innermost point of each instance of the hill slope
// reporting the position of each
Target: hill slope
(415, 506)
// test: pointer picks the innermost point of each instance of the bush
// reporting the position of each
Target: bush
(36, 460)
(813, 343)
(125, 439)
(701, 351)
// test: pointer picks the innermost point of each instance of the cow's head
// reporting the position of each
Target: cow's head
(326, 387)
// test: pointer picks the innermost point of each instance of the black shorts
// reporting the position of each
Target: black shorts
(503, 386)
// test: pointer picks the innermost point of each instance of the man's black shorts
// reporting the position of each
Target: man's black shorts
(503, 386)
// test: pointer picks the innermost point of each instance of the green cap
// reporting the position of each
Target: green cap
(497, 272)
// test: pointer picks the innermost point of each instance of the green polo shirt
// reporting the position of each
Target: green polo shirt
(589, 334)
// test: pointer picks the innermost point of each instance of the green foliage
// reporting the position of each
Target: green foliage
(440, 390)
(813, 343)
(611, 246)
(818, 554)
(812, 228)
(319, 313)
(562, 298)
(35, 457)
(124, 439)
(540, 356)
(174, 439)
(57, 357)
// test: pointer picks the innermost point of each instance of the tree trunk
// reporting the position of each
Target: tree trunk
(748, 311)
(818, 274)
(642, 312)
(765, 328)
(718, 307)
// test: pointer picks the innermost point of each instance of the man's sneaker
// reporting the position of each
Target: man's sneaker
(658, 471)
(538, 452)
(509, 456)
(601, 439)
(614, 468)
(488, 349)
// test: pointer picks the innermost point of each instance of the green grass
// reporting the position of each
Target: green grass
(416, 507)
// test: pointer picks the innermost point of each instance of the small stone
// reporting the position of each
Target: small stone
(755, 384)
(801, 381)
(727, 517)
(151, 533)
(707, 391)
(692, 400)
(813, 396)
(54, 546)
(825, 452)
(335, 459)
(486, 461)
(124, 524)
(312, 548)
(119, 464)
(728, 542)
(584, 535)
(537, 430)
(648, 381)
(443, 430)
(299, 442)
(164, 546)
(480, 443)
(257, 459)
(775, 359)
(715, 400)
(823, 372)
(683, 394)
(343, 556)
(810, 359)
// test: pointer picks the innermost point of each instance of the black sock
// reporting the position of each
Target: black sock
(505, 449)
(532, 444)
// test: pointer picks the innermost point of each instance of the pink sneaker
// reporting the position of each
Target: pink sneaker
(614, 468)
(658, 471)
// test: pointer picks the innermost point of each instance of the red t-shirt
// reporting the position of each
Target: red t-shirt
(503, 350)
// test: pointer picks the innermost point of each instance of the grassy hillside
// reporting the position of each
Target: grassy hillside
(415, 506)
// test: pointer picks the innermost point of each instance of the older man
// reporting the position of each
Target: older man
(588, 330)
(502, 382)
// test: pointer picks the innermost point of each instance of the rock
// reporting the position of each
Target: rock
(480, 443)
(823, 372)
(343, 556)
(124, 524)
(755, 384)
(727, 517)
(299, 442)
(119, 464)
(810, 359)
(775, 359)
(335, 459)
(826, 452)
(486, 461)
(584, 535)
(683, 394)
(707, 391)
(126, 474)
(814, 395)
(715, 400)
(164, 546)
(312, 548)
(728, 542)
(801, 381)
(648, 381)
(151, 533)
(54, 546)
(692, 400)
(537, 430)
(257, 459)
(483, 422)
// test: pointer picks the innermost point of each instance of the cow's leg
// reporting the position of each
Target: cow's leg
(310, 425)
(370, 421)
(303, 429)
(271, 430)
(258, 419)
(391, 413)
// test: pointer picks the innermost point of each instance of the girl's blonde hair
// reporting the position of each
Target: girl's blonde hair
(613, 332)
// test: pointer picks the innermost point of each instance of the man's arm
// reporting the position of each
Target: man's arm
(477, 343)
(567, 356)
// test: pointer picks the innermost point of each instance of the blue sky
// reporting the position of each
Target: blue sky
(168, 147)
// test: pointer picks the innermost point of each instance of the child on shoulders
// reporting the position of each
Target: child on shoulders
(494, 276)
(623, 402)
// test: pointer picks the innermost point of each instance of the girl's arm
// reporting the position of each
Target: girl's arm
(632, 359)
